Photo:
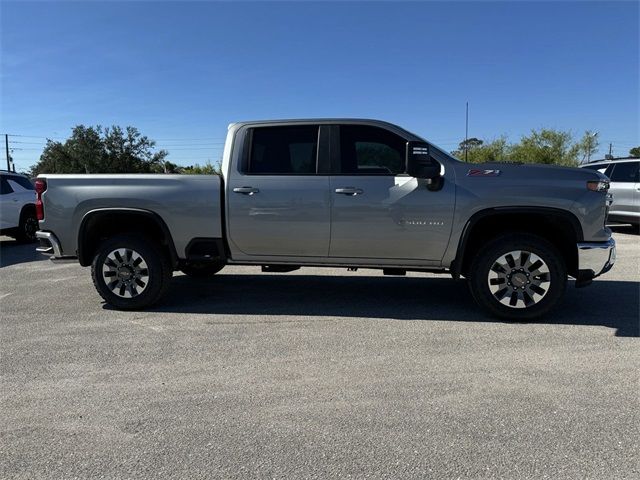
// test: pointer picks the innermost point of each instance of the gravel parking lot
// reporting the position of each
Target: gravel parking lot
(316, 373)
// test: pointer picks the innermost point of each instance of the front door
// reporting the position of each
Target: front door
(9, 205)
(379, 212)
(278, 205)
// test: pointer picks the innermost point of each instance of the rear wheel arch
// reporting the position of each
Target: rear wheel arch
(28, 208)
(559, 227)
(100, 224)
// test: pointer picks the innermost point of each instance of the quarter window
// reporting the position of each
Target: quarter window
(366, 150)
(23, 182)
(284, 150)
(625, 172)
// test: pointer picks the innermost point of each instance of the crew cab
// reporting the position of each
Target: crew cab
(336, 193)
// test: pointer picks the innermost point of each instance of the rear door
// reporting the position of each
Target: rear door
(624, 188)
(277, 201)
(380, 212)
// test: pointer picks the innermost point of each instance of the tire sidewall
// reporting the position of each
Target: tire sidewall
(156, 265)
(22, 234)
(484, 260)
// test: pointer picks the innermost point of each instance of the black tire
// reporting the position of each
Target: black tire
(155, 277)
(202, 270)
(520, 277)
(26, 232)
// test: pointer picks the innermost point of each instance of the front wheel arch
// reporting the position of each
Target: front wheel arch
(559, 227)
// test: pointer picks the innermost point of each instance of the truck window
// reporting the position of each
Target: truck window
(625, 172)
(284, 150)
(366, 150)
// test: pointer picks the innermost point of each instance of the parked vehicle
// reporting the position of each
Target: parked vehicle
(17, 207)
(345, 193)
(625, 187)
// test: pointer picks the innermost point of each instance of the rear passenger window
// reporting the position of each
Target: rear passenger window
(5, 188)
(625, 172)
(284, 150)
(366, 150)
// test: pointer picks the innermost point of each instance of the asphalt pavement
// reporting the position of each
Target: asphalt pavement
(318, 373)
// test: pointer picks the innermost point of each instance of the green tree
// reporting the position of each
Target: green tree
(480, 151)
(465, 146)
(545, 145)
(635, 152)
(167, 167)
(206, 169)
(98, 150)
(588, 145)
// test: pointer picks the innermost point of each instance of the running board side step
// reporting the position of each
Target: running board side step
(394, 271)
(280, 268)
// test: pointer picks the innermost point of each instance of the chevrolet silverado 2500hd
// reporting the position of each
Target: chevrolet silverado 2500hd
(336, 193)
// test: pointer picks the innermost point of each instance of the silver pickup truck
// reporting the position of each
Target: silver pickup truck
(336, 193)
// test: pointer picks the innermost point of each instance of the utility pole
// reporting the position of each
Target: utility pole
(6, 148)
(466, 134)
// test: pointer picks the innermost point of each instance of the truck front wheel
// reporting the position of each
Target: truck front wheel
(130, 272)
(518, 277)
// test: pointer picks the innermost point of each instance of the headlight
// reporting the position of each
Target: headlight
(597, 185)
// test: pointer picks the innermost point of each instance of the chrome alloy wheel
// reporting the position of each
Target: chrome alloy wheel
(519, 279)
(125, 272)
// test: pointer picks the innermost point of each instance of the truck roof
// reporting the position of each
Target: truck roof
(327, 121)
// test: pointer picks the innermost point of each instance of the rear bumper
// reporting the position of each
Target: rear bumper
(49, 244)
(594, 259)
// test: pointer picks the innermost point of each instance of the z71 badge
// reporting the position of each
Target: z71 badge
(476, 172)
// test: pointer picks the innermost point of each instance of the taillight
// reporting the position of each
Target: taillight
(41, 186)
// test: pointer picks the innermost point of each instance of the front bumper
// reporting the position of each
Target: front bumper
(594, 259)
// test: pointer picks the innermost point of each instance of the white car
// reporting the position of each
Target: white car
(625, 187)
(17, 207)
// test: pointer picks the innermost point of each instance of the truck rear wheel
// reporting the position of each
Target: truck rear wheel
(518, 277)
(130, 272)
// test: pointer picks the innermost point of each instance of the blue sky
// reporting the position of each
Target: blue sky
(181, 72)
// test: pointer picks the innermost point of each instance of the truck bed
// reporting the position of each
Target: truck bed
(189, 205)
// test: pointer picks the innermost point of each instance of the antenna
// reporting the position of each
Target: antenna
(466, 134)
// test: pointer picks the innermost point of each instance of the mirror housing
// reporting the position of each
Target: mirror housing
(420, 163)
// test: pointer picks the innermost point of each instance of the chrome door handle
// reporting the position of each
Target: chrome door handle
(352, 191)
(246, 190)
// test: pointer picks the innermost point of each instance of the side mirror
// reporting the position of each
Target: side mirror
(420, 164)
